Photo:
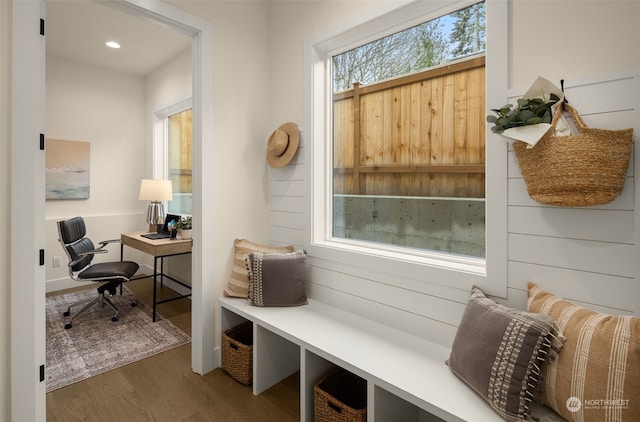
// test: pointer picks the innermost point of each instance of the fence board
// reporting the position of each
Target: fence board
(419, 135)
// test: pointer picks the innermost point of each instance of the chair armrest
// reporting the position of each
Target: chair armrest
(106, 242)
(92, 252)
(84, 254)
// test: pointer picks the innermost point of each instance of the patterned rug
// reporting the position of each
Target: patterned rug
(95, 344)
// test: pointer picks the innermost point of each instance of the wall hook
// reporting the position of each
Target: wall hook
(564, 101)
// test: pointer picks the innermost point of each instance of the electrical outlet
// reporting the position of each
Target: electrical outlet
(56, 261)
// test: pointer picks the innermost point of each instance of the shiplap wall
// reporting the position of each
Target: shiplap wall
(588, 255)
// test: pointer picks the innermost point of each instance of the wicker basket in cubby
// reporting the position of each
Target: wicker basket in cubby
(237, 352)
(340, 397)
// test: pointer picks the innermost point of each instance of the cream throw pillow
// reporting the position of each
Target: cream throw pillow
(238, 284)
(596, 376)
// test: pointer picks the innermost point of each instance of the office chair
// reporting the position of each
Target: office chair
(80, 251)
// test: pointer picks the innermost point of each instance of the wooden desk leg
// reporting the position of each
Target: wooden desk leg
(155, 285)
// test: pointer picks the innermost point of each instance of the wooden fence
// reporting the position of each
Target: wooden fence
(180, 154)
(419, 135)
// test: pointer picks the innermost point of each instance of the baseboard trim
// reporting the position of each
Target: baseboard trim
(144, 271)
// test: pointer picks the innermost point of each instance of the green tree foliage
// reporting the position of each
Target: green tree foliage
(432, 48)
(468, 33)
(427, 45)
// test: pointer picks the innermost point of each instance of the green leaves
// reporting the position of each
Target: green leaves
(527, 112)
(184, 223)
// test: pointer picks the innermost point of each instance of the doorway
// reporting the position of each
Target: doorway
(27, 208)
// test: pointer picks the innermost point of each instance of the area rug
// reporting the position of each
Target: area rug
(95, 344)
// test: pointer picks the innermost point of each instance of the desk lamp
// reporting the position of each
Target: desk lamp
(156, 191)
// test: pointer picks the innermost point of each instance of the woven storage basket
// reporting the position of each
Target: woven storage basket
(340, 397)
(237, 352)
(579, 170)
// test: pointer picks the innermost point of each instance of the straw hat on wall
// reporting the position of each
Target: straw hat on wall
(283, 144)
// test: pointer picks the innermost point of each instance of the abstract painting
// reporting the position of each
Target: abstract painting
(67, 172)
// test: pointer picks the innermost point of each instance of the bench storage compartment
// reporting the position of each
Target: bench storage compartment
(405, 378)
(340, 397)
(237, 352)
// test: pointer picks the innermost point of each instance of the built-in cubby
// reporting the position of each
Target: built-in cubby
(407, 380)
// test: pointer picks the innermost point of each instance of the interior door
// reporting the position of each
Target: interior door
(27, 212)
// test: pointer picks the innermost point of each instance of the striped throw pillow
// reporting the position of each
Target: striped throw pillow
(277, 279)
(498, 352)
(596, 376)
(238, 284)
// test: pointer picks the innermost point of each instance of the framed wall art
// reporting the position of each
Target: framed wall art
(67, 169)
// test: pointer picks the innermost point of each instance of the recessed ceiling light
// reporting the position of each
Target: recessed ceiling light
(112, 44)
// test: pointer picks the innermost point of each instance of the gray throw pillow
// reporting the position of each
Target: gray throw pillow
(277, 279)
(238, 284)
(498, 351)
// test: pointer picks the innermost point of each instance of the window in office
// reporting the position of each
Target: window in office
(408, 137)
(179, 170)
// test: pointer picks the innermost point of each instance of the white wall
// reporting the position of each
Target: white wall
(258, 84)
(243, 102)
(241, 129)
(569, 251)
(5, 214)
(106, 109)
(113, 111)
(164, 87)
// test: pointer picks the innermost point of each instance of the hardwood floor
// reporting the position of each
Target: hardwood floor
(164, 388)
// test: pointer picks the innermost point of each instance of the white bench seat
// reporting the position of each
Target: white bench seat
(406, 375)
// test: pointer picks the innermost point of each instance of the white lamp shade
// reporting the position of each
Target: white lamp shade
(155, 190)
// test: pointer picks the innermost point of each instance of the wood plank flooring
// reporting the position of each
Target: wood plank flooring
(164, 388)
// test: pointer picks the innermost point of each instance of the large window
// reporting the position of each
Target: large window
(409, 137)
(400, 180)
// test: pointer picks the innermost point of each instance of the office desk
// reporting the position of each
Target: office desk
(159, 249)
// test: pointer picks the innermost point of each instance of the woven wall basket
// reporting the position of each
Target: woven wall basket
(579, 170)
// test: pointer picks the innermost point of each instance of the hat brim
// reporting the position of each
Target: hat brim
(292, 130)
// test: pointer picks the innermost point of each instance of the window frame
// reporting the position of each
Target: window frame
(161, 137)
(381, 261)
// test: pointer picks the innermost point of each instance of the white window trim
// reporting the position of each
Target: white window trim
(160, 136)
(444, 269)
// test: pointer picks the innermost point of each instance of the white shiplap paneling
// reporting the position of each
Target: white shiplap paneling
(580, 224)
(587, 255)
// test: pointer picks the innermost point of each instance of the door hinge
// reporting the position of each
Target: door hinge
(41, 26)
(42, 142)
(41, 256)
(41, 373)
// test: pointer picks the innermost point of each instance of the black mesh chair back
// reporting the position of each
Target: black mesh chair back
(81, 251)
(72, 235)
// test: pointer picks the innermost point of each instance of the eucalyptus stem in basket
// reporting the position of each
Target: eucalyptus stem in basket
(527, 112)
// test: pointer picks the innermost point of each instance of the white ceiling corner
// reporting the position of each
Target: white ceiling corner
(78, 29)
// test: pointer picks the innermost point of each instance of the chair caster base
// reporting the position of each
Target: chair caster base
(67, 325)
(67, 312)
(114, 319)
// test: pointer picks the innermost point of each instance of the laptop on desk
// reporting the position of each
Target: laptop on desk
(169, 220)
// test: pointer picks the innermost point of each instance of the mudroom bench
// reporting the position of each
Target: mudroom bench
(407, 379)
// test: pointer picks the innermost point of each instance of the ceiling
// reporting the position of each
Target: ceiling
(78, 30)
